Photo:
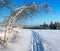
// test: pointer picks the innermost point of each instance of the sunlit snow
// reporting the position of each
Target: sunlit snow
(33, 40)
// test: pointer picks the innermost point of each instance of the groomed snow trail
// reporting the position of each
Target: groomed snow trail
(37, 42)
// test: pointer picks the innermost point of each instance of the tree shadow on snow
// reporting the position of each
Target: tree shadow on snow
(16, 39)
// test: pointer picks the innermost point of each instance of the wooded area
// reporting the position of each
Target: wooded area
(52, 25)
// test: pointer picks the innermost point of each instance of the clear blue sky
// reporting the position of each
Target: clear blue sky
(39, 19)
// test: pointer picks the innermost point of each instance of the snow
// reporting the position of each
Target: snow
(34, 40)
(21, 43)
(51, 39)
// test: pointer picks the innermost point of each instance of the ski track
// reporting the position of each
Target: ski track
(37, 42)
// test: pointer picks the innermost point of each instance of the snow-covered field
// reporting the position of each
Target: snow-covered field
(34, 40)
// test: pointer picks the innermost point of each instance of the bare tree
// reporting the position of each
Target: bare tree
(6, 3)
(21, 13)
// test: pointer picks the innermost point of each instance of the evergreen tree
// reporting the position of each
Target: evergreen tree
(45, 26)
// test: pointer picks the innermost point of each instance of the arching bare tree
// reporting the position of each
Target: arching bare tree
(23, 12)
(6, 3)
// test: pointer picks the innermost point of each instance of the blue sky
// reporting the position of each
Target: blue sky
(38, 19)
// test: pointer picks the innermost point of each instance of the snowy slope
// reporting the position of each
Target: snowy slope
(34, 40)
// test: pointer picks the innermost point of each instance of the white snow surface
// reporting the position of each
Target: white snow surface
(34, 40)
(50, 39)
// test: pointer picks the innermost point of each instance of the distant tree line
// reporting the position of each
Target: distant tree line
(52, 25)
